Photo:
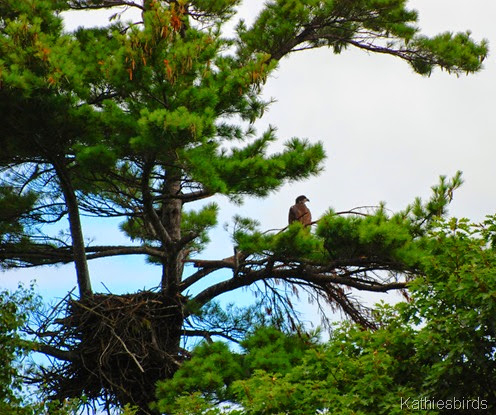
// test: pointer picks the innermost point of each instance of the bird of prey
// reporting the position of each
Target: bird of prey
(300, 212)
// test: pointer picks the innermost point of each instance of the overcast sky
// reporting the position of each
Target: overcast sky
(388, 133)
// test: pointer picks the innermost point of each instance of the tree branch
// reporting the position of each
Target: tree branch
(208, 335)
(194, 196)
(162, 233)
(103, 4)
(299, 273)
(38, 254)
(106, 251)
(197, 276)
(67, 355)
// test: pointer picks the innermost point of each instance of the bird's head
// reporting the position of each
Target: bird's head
(302, 199)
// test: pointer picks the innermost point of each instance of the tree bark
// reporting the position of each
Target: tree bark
(171, 217)
(78, 249)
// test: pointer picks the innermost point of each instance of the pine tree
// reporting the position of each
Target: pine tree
(137, 122)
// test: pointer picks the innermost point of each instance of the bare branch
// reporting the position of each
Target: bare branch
(106, 251)
(103, 4)
(301, 273)
(197, 276)
(149, 209)
(194, 196)
(67, 355)
(207, 334)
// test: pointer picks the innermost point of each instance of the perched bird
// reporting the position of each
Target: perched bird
(300, 212)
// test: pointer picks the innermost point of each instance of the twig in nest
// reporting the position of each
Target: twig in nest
(127, 350)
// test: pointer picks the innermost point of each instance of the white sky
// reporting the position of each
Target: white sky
(388, 133)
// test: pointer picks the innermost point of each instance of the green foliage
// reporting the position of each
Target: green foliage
(285, 24)
(271, 350)
(214, 368)
(456, 303)
(298, 242)
(354, 373)
(295, 242)
(488, 230)
(27, 32)
(247, 236)
(199, 222)
(451, 50)
(14, 310)
(228, 321)
(14, 212)
(439, 346)
(396, 238)
(377, 236)
(380, 237)
(95, 158)
(423, 215)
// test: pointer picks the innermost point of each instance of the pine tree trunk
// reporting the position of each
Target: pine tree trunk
(171, 218)
(78, 249)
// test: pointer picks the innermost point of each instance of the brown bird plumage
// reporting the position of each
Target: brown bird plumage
(300, 212)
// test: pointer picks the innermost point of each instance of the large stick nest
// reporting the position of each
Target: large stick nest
(119, 347)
